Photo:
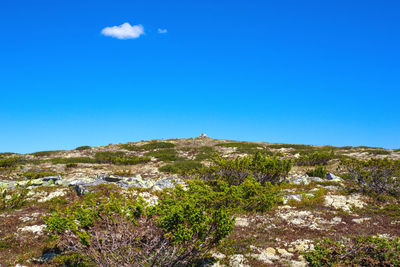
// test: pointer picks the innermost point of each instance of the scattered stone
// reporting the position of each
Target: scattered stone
(241, 222)
(361, 220)
(57, 193)
(237, 260)
(36, 229)
(345, 203)
(333, 178)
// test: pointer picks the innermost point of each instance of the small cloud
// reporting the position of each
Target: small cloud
(124, 31)
(162, 30)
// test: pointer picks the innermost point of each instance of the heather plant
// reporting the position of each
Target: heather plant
(45, 153)
(37, 175)
(9, 162)
(235, 171)
(362, 251)
(242, 147)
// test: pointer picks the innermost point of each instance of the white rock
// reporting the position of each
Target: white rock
(36, 229)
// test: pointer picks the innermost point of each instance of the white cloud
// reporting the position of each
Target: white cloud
(162, 30)
(124, 31)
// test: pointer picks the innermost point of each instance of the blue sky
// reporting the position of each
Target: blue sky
(311, 72)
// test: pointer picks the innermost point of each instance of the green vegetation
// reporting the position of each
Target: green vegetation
(119, 158)
(205, 153)
(182, 167)
(114, 230)
(149, 146)
(73, 160)
(377, 152)
(13, 199)
(37, 175)
(363, 251)
(83, 148)
(9, 162)
(378, 176)
(46, 153)
(298, 147)
(165, 155)
(314, 158)
(235, 171)
(319, 171)
(71, 165)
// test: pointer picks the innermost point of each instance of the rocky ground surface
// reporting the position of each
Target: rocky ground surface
(312, 207)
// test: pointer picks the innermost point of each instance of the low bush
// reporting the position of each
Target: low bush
(149, 146)
(319, 171)
(377, 152)
(14, 198)
(83, 148)
(379, 176)
(205, 153)
(119, 158)
(182, 167)
(115, 230)
(9, 162)
(362, 251)
(45, 153)
(248, 196)
(314, 158)
(73, 160)
(235, 171)
(71, 165)
(37, 175)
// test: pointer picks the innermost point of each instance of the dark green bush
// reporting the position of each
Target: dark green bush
(149, 146)
(314, 158)
(9, 162)
(248, 196)
(363, 251)
(375, 175)
(71, 165)
(377, 152)
(165, 155)
(182, 167)
(108, 156)
(36, 175)
(83, 148)
(115, 230)
(131, 160)
(319, 171)
(45, 153)
(235, 171)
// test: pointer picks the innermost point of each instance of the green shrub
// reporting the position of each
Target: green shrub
(131, 160)
(319, 171)
(115, 230)
(37, 175)
(73, 160)
(205, 153)
(375, 175)
(377, 152)
(278, 146)
(182, 167)
(83, 148)
(45, 153)
(9, 162)
(363, 251)
(71, 165)
(248, 196)
(315, 158)
(165, 155)
(14, 198)
(108, 156)
(235, 171)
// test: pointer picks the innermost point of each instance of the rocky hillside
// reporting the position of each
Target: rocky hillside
(282, 199)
